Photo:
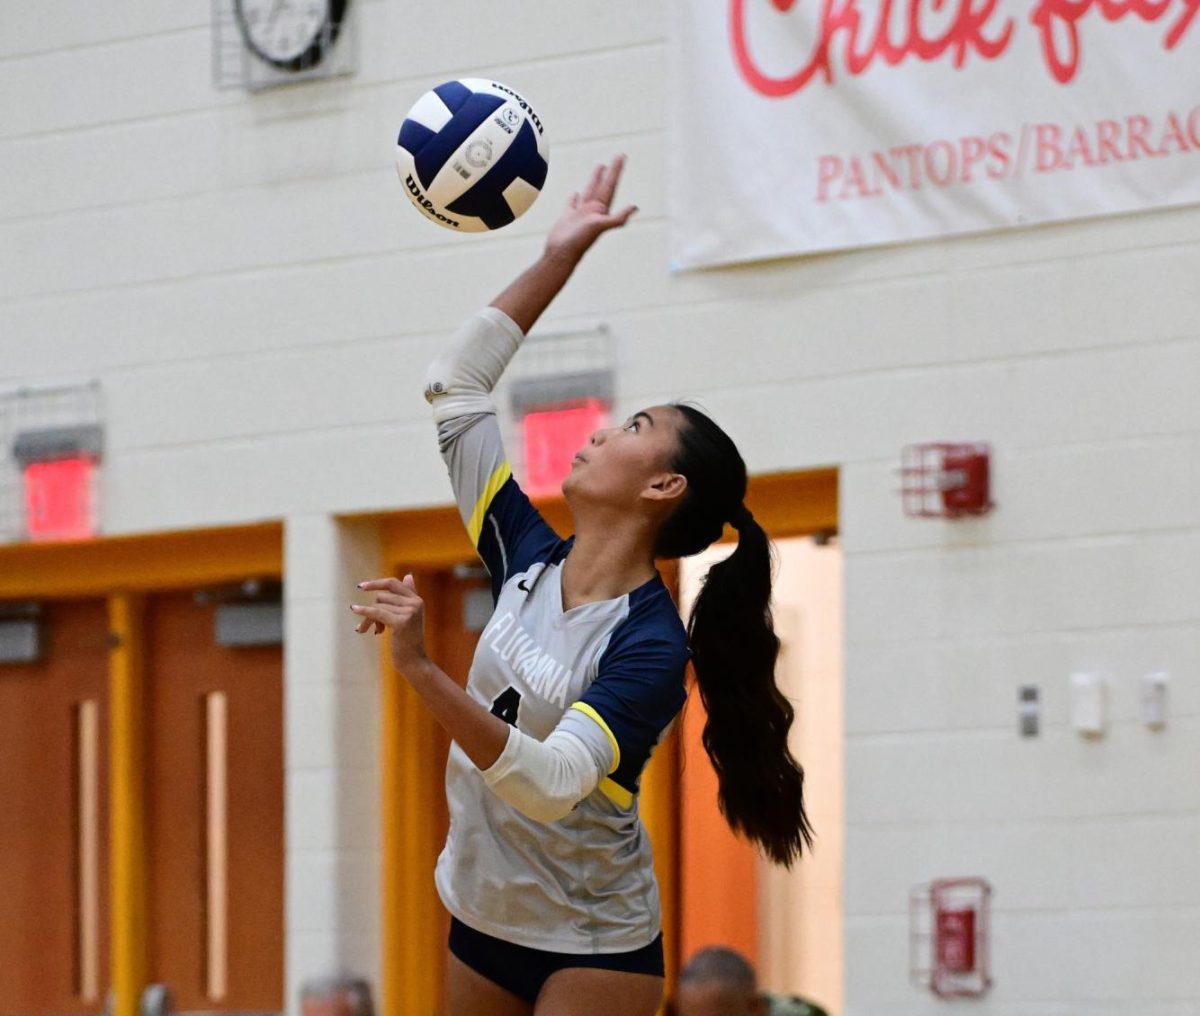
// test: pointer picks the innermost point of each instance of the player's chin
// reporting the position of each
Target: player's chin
(576, 488)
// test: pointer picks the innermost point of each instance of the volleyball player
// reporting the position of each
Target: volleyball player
(547, 871)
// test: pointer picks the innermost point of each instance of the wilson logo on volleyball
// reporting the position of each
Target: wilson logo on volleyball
(425, 204)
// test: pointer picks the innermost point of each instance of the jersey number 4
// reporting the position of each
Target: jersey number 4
(506, 705)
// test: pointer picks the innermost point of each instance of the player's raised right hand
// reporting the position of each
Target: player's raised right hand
(589, 213)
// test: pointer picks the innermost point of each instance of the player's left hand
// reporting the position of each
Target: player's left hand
(397, 608)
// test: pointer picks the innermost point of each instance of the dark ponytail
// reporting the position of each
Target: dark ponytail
(734, 646)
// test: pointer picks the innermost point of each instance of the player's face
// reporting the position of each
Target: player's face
(620, 464)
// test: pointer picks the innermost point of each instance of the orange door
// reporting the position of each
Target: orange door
(214, 801)
(53, 818)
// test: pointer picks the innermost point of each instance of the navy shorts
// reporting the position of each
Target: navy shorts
(523, 971)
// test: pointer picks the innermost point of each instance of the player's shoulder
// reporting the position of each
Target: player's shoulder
(653, 625)
(640, 676)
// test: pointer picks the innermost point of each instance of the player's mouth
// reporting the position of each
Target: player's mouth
(578, 458)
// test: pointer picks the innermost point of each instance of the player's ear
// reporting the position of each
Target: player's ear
(665, 487)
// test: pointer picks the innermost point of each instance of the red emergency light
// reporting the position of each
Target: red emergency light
(58, 499)
(552, 436)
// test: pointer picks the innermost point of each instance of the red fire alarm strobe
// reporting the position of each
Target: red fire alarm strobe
(945, 480)
(948, 937)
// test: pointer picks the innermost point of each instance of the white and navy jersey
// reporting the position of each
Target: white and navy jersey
(612, 672)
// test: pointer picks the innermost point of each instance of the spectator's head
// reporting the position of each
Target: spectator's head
(718, 982)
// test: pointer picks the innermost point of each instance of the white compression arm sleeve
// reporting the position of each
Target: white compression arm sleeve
(460, 381)
(546, 779)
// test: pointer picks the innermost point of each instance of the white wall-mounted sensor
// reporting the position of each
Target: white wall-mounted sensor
(1089, 703)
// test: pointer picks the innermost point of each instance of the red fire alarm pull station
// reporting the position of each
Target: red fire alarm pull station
(948, 928)
(945, 480)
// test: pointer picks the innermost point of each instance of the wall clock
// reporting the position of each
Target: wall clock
(292, 35)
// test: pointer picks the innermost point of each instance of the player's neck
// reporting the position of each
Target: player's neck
(606, 562)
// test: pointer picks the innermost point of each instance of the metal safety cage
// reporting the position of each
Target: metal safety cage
(946, 480)
(949, 937)
(236, 65)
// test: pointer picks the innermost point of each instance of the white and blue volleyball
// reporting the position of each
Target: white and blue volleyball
(472, 155)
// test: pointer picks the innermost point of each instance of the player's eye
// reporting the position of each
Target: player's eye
(632, 425)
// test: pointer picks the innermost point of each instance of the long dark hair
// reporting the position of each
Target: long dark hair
(734, 645)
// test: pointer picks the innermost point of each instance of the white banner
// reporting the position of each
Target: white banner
(809, 125)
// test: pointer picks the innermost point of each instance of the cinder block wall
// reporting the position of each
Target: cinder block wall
(246, 279)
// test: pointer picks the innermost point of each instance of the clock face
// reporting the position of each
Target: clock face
(290, 34)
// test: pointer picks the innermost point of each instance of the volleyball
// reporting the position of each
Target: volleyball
(472, 155)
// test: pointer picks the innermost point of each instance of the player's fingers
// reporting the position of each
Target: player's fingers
(405, 591)
(365, 626)
(615, 221)
(389, 583)
(384, 615)
(392, 586)
(624, 215)
(612, 176)
(408, 599)
(591, 190)
(574, 200)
